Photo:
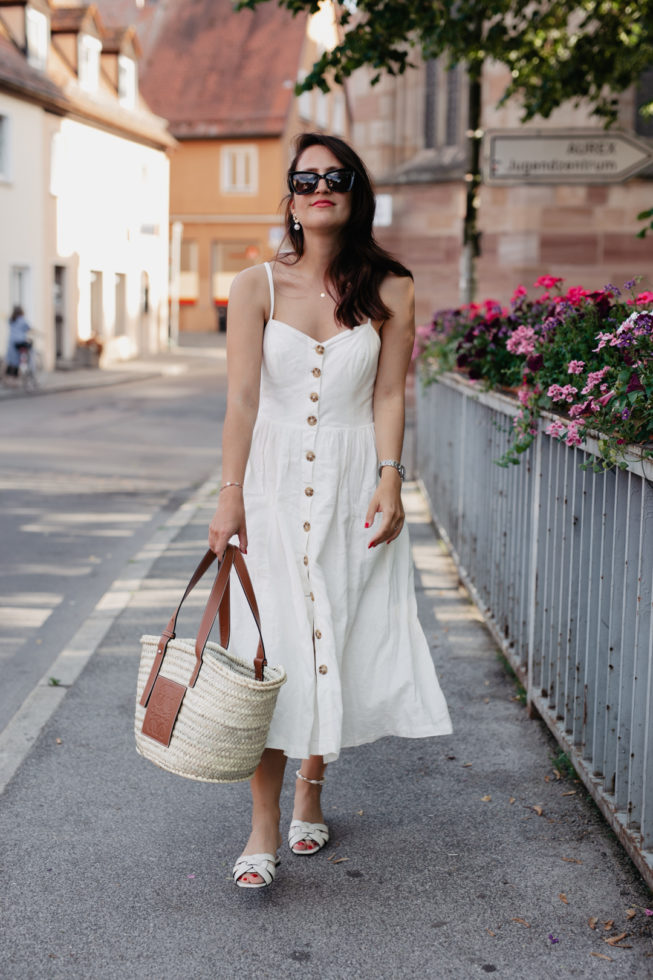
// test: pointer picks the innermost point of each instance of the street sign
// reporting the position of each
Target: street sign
(572, 156)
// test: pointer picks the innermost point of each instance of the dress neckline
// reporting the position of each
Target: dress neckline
(345, 332)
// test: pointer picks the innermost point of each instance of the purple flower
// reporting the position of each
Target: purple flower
(553, 938)
(634, 384)
(609, 288)
(630, 284)
(625, 414)
(534, 362)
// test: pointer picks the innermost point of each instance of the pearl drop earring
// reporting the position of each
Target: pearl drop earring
(296, 225)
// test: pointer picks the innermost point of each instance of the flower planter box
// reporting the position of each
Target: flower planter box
(559, 561)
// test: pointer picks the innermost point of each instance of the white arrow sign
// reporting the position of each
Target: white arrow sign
(573, 156)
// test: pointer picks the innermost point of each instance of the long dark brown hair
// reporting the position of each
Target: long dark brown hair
(360, 265)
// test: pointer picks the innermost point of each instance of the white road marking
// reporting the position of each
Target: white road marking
(23, 729)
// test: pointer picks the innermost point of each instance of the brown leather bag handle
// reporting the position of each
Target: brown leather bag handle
(218, 603)
(219, 599)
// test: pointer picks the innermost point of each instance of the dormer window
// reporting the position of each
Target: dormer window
(127, 81)
(88, 60)
(37, 31)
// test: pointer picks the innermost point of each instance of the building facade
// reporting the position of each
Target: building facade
(84, 183)
(225, 81)
(412, 130)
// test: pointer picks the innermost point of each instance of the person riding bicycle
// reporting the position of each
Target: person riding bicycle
(19, 330)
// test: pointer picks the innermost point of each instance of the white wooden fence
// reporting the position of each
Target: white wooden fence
(560, 562)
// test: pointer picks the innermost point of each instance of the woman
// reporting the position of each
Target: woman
(19, 331)
(318, 347)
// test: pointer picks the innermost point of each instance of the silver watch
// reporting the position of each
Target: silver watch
(401, 470)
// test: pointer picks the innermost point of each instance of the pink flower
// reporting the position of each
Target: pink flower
(424, 332)
(555, 429)
(577, 410)
(562, 394)
(594, 378)
(521, 341)
(518, 293)
(573, 437)
(643, 298)
(575, 367)
(547, 282)
(576, 293)
(603, 339)
(523, 395)
(604, 399)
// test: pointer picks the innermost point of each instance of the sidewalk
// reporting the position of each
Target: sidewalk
(450, 858)
(173, 361)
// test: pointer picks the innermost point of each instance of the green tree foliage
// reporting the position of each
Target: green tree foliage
(555, 50)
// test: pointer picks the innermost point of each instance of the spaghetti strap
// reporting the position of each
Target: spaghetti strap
(271, 281)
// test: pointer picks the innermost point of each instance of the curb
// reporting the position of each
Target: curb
(23, 729)
(101, 382)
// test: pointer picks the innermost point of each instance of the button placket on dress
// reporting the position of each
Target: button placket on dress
(312, 388)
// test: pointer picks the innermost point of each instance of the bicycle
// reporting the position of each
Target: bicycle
(29, 366)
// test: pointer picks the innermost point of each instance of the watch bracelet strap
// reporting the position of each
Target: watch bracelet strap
(395, 465)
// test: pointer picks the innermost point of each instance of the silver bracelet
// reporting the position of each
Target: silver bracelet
(231, 483)
(401, 470)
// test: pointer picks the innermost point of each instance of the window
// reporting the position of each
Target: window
(227, 260)
(452, 127)
(431, 105)
(127, 81)
(37, 31)
(4, 148)
(305, 100)
(240, 170)
(338, 114)
(88, 56)
(189, 280)
(322, 110)
(19, 291)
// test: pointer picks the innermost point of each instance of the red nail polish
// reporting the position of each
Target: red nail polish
(367, 523)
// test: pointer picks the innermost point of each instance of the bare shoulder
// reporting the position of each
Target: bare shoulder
(398, 294)
(250, 287)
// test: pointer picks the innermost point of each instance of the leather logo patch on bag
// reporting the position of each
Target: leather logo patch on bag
(162, 709)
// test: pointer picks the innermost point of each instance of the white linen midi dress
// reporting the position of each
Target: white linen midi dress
(341, 618)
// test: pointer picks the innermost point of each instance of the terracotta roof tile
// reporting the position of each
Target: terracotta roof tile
(216, 72)
(113, 39)
(18, 75)
(66, 20)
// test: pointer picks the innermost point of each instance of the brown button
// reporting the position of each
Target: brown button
(309, 491)
(306, 559)
(307, 526)
(323, 668)
(319, 349)
(318, 634)
(310, 456)
(316, 372)
(314, 396)
(311, 420)
(311, 596)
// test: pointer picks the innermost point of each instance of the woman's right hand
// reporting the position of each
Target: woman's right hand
(229, 519)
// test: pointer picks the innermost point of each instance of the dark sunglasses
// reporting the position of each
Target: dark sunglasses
(306, 182)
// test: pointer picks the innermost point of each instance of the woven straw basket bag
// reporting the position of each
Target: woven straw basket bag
(200, 711)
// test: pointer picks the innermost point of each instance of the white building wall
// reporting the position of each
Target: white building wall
(21, 212)
(111, 201)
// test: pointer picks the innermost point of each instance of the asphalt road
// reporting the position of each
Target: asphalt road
(450, 858)
(86, 477)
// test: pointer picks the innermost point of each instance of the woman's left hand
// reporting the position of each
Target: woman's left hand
(387, 501)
